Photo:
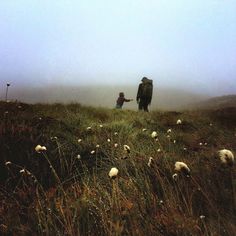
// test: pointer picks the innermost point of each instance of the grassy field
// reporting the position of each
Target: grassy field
(66, 189)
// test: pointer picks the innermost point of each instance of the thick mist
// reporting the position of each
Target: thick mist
(104, 96)
(185, 45)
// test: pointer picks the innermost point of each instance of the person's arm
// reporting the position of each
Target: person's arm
(128, 100)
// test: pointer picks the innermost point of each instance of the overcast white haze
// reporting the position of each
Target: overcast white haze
(179, 44)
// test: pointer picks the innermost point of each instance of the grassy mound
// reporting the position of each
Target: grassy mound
(66, 190)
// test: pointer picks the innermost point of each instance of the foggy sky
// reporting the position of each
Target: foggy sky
(182, 44)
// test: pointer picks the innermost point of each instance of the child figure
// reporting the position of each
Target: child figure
(121, 99)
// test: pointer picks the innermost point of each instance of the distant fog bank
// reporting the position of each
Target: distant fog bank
(105, 96)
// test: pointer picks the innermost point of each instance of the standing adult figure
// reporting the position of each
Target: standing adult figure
(144, 94)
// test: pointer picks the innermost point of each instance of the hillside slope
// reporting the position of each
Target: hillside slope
(66, 189)
(216, 102)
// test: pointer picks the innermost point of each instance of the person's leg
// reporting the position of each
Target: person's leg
(140, 105)
(145, 105)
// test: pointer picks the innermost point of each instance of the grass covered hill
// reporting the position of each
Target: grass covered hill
(66, 187)
(216, 103)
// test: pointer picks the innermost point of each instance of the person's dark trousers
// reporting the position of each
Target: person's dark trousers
(143, 105)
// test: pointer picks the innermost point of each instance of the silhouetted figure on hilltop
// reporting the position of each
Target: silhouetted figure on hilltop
(144, 95)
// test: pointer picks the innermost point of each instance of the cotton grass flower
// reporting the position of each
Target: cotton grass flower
(169, 131)
(22, 171)
(116, 133)
(144, 130)
(202, 217)
(108, 140)
(78, 157)
(126, 148)
(40, 148)
(175, 176)
(154, 134)
(113, 173)
(89, 128)
(8, 163)
(54, 138)
(79, 140)
(226, 157)
(150, 161)
(97, 146)
(179, 122)
(116, 145)
(200, 144)
(158, 150)
(182, 167)
(101, 126)
(92, 152)
(174, 141)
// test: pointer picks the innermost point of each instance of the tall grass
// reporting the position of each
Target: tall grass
(61, 194)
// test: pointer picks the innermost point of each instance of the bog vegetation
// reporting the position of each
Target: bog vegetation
(74, 170)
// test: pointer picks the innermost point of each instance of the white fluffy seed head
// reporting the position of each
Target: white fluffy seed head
(127, 148)
(154, 134)
(7, 163)
(179, 122)
(144, 130)
(78, 157)
(113, 172)
(97, 146)
(175, 176)
(150, 161)
(89, 128)
(79, 140)
(108, 140)
(182, 167)
(40, 148)
(92, 152)
(169, 131)
(116, 145)
(226, 156)
(22, 171)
